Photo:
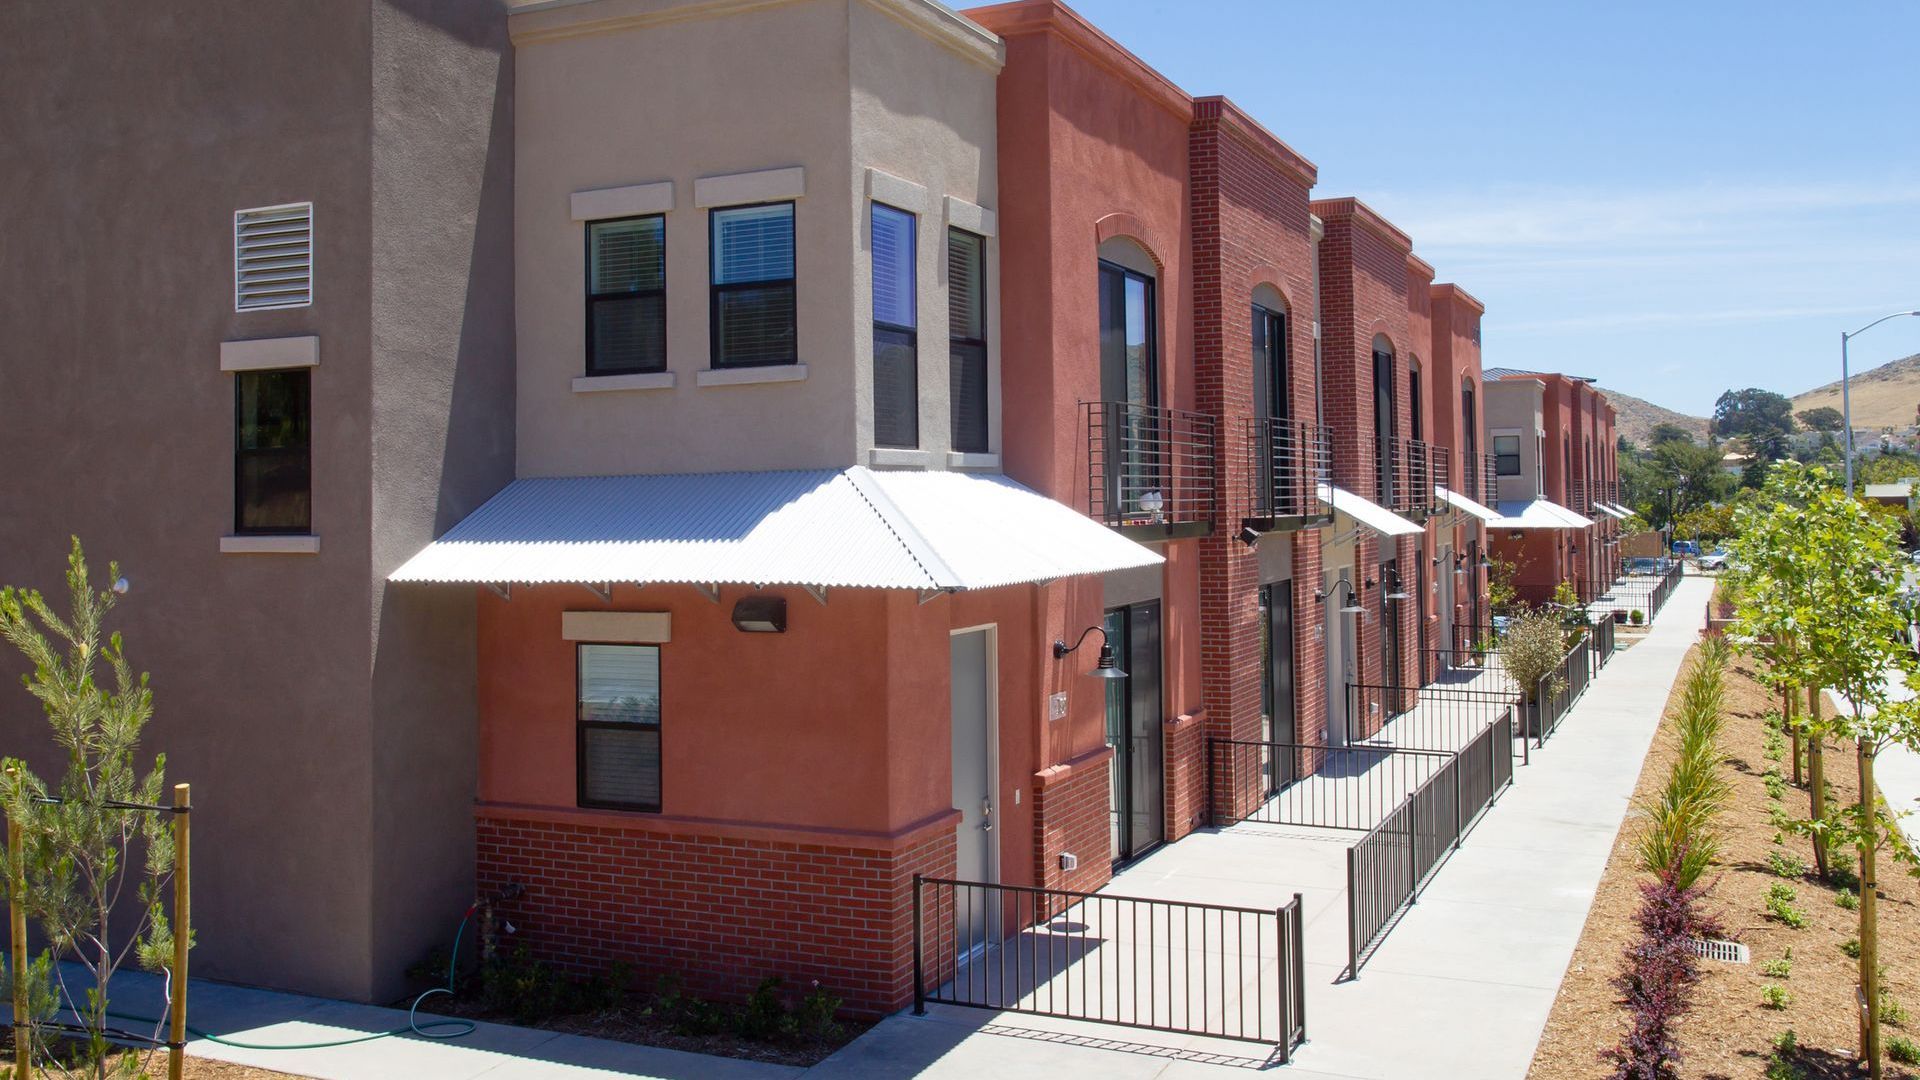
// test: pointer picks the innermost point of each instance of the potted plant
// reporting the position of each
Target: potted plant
(1619, 616)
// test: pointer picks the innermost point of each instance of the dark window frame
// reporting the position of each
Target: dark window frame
(956, 343)
(581, 726)
(591, 369)
(242, 454)
(1500, 456)
(716, 290)
(910, 334)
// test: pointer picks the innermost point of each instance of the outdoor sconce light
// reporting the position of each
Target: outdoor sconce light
(1516, 536)
(1105, 666)
(760, 615)
(1399, 589)
(1353, 602)
(1250, 536)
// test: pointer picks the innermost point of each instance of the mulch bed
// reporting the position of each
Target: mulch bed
(1729, 1032)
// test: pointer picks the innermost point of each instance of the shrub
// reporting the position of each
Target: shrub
(1786, 1042)
(1774, 996)
(1847, 900)
(1786, 865)
(1774, 746)
(1775, 783)
(1531, 649)
(1656, 984)
(1780, 905)
(1778, 969)
(1636, 617)
(1891, 1011)
(1902, 1050)
(1851, 947)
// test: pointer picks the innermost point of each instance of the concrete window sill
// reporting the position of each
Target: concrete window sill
(897, 457)
(604, 384)
(306, 544)
(956, 460)
(749, 376)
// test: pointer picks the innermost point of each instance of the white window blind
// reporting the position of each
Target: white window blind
(273, 257)
(619, 726)
(753, 243)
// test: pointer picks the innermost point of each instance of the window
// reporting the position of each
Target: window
(273, 257)
(272, 468)
(1385, 423)
(627, 295)
(619, 726)
(1506, 453)
(967, 340)
(896, 379)
(752, 306)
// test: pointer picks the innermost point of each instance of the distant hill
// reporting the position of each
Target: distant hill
(1635, 418)
(1883, 397)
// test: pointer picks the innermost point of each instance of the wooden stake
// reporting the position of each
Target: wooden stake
(1793, 732)
(182, 931)
(1869, 918)
(1816, 778)
(17, 929)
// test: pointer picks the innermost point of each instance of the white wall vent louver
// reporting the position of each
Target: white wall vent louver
(273, 257)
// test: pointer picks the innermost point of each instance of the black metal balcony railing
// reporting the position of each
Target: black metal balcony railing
(1479, 478)
(1577, 497)
(1287, 461)
(1149, 468)
(1406, 472)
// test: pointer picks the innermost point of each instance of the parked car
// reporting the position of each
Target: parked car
(1646, 566)
(1683, 548)
(1916, 557)
(1715, 559)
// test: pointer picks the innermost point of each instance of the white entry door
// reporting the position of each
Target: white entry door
(975, 852)
(1339, 651)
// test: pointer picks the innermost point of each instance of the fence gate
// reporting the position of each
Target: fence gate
(1161, 965)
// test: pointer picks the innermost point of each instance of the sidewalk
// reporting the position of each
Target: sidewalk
(1462, 987)
(1896, 769)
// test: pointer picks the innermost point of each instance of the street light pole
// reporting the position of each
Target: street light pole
(1846, 395)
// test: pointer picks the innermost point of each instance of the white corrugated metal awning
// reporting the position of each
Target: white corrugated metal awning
(1611, 511)
(1461, 502)
(1537, 514)
(1370, 514)
(846, 528)
(1621, 511)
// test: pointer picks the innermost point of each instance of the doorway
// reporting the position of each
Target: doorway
(1277, 701)
(1137, 787)
(1339, 652)
(975, 765)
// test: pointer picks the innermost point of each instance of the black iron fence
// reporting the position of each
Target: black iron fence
(1432, 717)
(1602, 636)
(1644, 593)
(1387, 868)
(1558, 689)
(1314, 787)
(1479, 477)
(1149, 466)
(1287, 461)
(1406, 472)
(1162, 965)
(1482, 668)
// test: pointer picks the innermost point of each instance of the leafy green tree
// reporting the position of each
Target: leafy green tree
(1666, 431)
(1677, 478)
(1761, 417)
(1822, 418)
(80, 845)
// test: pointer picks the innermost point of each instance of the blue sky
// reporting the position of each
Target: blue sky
(1674, 198)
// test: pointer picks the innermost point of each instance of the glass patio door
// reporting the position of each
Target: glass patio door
(1129, 388)
(1136, 772)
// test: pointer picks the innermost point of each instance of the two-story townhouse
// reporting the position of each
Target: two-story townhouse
(1256, 364)
(1382, 472)
(1530, 430)
(258, 299)
(1460, 537)
(765, 630)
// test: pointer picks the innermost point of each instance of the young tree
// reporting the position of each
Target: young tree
(1820, 418)
(79, 840)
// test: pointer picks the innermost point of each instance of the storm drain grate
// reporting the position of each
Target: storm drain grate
(1731, 952)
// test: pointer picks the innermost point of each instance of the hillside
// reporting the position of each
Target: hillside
(1635, 418)
(1886, 396)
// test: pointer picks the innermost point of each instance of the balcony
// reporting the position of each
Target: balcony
(1406, 473)
(1580, 496)
(1287, 461)
(1150, 470)
(1479, 477)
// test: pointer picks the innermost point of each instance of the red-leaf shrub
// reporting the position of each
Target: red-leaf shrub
(1656, 986)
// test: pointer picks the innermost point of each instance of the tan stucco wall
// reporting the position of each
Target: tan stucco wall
(1513, 407)
(664, 94)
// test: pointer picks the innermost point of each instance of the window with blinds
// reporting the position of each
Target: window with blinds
(752, 303)
(627, 295)
(273, 465)
(273, 257)
(967, 340)
(618, 727)
(896, 378)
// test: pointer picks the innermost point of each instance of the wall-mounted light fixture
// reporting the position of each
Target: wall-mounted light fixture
(1516, 536)
(1399, 587)
(1353, 600)
(760, 615)
(1105, 666)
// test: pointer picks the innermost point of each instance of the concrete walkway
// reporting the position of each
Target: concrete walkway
(1897, 769)
(1462, 987)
